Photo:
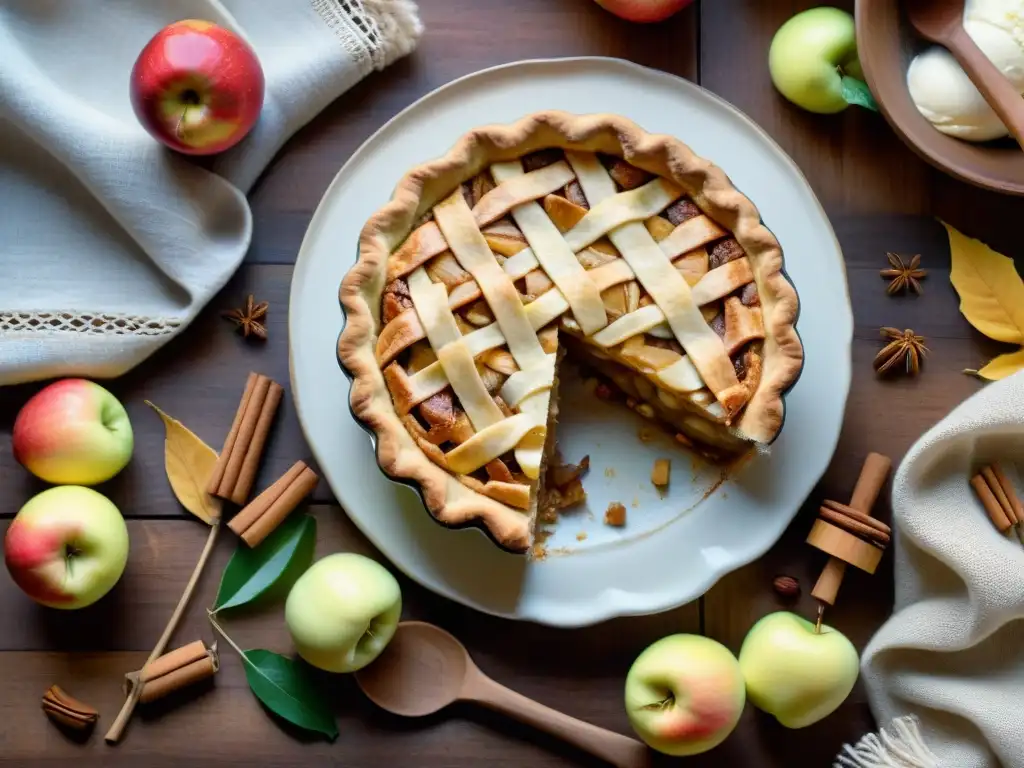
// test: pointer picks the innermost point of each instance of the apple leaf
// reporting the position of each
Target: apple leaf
(856, 92)
(189, 462)
(251, 572)
(284, 687)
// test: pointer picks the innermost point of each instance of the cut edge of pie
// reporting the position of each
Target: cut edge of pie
(456, 502)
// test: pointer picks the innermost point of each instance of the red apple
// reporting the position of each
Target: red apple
(67, 547)
(197, 87)
(644, 11)
(73, 432)
(685, 694)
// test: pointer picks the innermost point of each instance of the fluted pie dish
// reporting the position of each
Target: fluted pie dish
(560, 233)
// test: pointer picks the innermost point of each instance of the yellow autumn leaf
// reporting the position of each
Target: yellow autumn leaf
(189, 463)
(1003, 366)
(991, 291)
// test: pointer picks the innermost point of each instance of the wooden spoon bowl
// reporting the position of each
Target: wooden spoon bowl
(421, 671)
(424, 669)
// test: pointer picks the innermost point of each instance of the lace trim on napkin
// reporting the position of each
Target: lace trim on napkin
(99, 323)
(373, 32)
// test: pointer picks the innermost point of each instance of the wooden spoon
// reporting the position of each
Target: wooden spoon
(941, 21)
(424, 669)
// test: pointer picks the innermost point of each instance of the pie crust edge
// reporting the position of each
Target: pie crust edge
(449, 501)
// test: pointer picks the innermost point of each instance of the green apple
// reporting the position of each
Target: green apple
(684, 694)
(67, 547)
(343, 612)
(809, 56)
(794, 673)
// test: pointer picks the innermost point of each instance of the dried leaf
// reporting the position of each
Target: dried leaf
(1002, 366)
(991, 291)
(189, 463)
(991, 298)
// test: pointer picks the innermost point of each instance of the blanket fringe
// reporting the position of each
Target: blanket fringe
(902, 747)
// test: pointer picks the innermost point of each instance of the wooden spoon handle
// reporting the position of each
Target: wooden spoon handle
(615, 748)
(994, 86)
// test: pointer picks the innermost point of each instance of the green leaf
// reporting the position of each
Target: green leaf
(856, 92)
(251, 572)
(285, 689)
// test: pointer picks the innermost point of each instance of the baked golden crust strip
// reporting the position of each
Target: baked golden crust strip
(553, 253)
(665, 285)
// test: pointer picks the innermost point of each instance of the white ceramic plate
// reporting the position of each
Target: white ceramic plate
(673, 548)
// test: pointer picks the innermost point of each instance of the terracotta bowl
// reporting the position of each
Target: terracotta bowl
(886, 44)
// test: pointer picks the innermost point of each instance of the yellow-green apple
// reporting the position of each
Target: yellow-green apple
(197, 87)
(67, 547)
(794, 673)
(343, 612)
(73, 432)
(809, 56)
(684, 694)
(644, 11)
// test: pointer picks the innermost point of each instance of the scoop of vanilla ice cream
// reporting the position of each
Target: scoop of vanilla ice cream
(941, 89)
(1005, 14)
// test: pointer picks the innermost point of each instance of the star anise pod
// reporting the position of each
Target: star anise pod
(249, 318)
(903, 275)
(903, 346)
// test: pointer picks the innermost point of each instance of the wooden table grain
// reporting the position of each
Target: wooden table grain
(880, 198)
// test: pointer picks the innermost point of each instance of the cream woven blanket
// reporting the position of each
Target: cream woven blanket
(953, 653)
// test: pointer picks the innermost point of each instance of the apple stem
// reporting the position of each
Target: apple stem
(117, 729)
(821, 615)
(178, 133)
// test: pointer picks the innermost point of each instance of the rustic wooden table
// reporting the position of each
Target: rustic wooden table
(880, 198)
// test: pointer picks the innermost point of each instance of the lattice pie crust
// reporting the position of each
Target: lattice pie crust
(636, 253)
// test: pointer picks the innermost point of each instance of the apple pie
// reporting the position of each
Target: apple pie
(560, 233)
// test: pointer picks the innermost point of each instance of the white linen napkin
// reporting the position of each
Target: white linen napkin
(952, 655)
(110, 244)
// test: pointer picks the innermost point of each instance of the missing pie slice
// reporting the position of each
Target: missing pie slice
(560, 232)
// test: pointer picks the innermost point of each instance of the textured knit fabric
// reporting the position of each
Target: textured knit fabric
(110, 244)
(953, 653)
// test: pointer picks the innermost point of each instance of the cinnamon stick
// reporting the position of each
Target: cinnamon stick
(997, 490)
(68, 711)
(238, 463)
(175, 670)
(213, 486)
(246, 430)
(1000, 500)
(268, 510)
(995, 510)
(857, 515)
(1011, 495)
(251, 462)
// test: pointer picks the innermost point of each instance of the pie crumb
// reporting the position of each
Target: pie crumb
(645, 435)
(615, 515)
(660, 473)
(609, 472)
(581, 536)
